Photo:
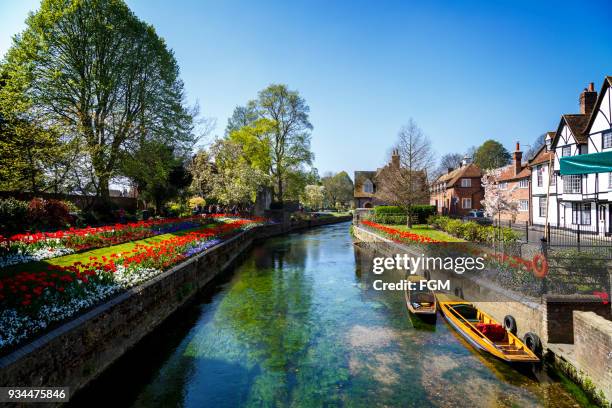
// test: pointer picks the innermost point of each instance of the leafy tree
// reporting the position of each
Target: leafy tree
(313, 196)
(338, 189)
(202, 173)
(241, 117)
(491, 155)
(255, 141)
(91, 71)
(404, 184)
(290, 133)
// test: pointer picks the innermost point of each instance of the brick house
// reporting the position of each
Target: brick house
(458, 191)
(515, 179)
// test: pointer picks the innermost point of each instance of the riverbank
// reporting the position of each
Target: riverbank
(563, 323)
(78, 351)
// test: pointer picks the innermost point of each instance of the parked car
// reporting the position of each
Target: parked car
(479, 217)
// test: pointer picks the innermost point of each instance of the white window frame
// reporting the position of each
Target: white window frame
(606, 139)
(581, 213)
(523, 205)
(553, 179)
(466, 182)
(464, 201)
(610, 180)
(503, 185)
(524, 183)
(563, 151)
(542, 207)
(540, 175)
(572, 184)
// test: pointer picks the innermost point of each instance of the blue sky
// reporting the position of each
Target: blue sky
(465, 71)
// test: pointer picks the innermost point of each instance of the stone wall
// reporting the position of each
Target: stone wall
(78, 351)
(558, 319)
(593, 349)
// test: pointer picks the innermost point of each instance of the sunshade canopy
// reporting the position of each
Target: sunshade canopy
(586, 163)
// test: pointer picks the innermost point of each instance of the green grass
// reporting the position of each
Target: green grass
(427, 231)
(99, 252)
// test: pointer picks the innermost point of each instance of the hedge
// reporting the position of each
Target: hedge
(472, 231)
(389, 214)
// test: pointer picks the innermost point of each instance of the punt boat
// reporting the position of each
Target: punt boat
(421, 302)
(486, 334)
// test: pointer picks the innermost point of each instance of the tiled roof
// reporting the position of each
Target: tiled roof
(507, 173)
(542, 156)
(360, 178)
(471, 170)
(577, 123)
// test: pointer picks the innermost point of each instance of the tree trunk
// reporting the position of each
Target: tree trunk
(279, 193)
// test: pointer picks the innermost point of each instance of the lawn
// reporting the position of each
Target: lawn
(99, 252)
(427, 231)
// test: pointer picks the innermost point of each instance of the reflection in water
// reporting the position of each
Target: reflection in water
(299, 324)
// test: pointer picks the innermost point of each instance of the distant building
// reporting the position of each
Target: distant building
(367, 184)
(458, 191)
(539, 184)
(514, 178)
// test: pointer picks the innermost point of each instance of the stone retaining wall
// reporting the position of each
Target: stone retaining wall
(593, 349)
(559, 320)
(78, 351)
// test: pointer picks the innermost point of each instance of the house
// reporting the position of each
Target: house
(540, 183)
(514, 178)
(458, 191)
(366, 184)
(581, 188)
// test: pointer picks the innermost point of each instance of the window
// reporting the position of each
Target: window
(581, 213)
(542, 207)
(610, 179)
(584, 149)
(466, 182)
(523, 205)
(572, 184)
(503, 185)
(606, 139)
(524, 183)
(566, 151)
(553, 179)
(539, 173)
(466, 203)
(368, 187)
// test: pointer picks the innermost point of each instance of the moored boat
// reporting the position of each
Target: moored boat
(421, 302)
(486, 334)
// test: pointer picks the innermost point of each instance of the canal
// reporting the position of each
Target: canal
(297, 323)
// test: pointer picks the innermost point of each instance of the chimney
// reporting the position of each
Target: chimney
(395, 159)
(518, 159)
(466, 160)
(449, 169)
(588, 97)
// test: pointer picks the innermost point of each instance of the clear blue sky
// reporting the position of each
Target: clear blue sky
(465, 71)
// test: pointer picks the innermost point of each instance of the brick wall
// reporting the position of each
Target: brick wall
(593, 349)
(558, 318)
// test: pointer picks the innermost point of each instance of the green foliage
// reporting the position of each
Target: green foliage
(472, 231)
(491, 155)
(390, 214)
(338, 190)
(13, 214)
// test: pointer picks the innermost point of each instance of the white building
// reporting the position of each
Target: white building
(580, 192)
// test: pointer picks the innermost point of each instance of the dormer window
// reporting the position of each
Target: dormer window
(368, 187)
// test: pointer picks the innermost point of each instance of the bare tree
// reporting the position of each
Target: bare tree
(404, 182)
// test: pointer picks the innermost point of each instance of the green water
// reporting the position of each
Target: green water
(298, 324)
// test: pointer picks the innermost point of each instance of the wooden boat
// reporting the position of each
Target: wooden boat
(486, 334)
(419, 302)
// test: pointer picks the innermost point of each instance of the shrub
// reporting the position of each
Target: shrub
(472, 231)
(196, 201)
(389, 209)
(423, 212)
(13, 214)
(48, 213)
(420, 213)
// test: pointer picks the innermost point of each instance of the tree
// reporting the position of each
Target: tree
(290, 133)
(92, 71)
(404, 183)
(241, 117)
(497, 201)
(313, 196)
(338, 189)
(491, 155)
(448, 161)
(537, 144)
(202, 173)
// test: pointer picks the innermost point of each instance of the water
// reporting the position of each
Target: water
(298, 324)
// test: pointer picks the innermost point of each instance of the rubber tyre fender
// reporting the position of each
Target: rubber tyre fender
(532, 341)
(510, 324)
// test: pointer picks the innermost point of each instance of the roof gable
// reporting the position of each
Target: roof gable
(607, 83)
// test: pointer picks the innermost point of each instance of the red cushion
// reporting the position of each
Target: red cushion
(493, 331)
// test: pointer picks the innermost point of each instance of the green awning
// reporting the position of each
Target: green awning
(586, 163)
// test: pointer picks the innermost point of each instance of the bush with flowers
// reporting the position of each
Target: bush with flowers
(397, 235)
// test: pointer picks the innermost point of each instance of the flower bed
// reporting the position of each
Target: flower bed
(30, 301)
(24, 248)
(397, 235)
